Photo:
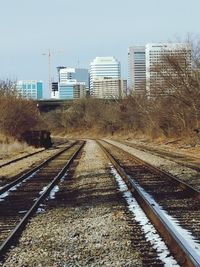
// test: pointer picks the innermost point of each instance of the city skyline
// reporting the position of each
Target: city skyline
(30, 28)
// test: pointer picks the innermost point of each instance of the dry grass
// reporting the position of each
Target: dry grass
(10, 147)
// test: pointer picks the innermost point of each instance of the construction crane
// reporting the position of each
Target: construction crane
(49, 68)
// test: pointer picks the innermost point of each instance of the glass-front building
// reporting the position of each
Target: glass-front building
(137, 68)
(30, 89)
(66, 92)
(71, 90)
(72, 83)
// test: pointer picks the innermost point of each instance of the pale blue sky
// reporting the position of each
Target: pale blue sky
(78, 30)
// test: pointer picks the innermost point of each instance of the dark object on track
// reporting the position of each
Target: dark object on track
(37, 138)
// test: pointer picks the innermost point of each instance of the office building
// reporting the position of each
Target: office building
(109, 88)
(71, 89)
(79, 74)
(72, 83)
(30, 89)
(155, 56)
(136, 69)
(142, 61)
(104, 67)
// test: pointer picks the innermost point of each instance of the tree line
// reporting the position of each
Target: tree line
(171, 109)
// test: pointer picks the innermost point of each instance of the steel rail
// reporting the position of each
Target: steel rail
(15, 234)
(176, 243)
(30, 172)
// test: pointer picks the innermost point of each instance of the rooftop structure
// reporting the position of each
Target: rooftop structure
(78, 74)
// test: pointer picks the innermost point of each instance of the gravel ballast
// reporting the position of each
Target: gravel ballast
(86, 225)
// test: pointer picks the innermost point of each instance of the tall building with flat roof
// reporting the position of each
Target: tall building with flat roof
(104, 67)
(30, 89)
(136, 69)
(155, 54)
(142, 61)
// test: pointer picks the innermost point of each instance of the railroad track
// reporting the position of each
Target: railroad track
(188, 161)
(30, 154)
(171, 205)
(20, 199)
(20, 158)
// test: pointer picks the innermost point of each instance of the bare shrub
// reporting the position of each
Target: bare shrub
(9, 146)
(16, 114)
(178, 91)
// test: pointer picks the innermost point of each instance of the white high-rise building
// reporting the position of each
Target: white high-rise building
(136, 69)
(108, 67)
(155, 53)
(143, 59)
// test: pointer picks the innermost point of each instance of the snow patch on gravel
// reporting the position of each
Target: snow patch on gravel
(53, 192)
(148, 228)
(3, 196)
(56, 188)
(14, 188)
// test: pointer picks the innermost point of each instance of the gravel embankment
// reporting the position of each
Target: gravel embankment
(186, 174)
(88, 228)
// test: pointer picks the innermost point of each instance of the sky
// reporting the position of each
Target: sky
(76, 31)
